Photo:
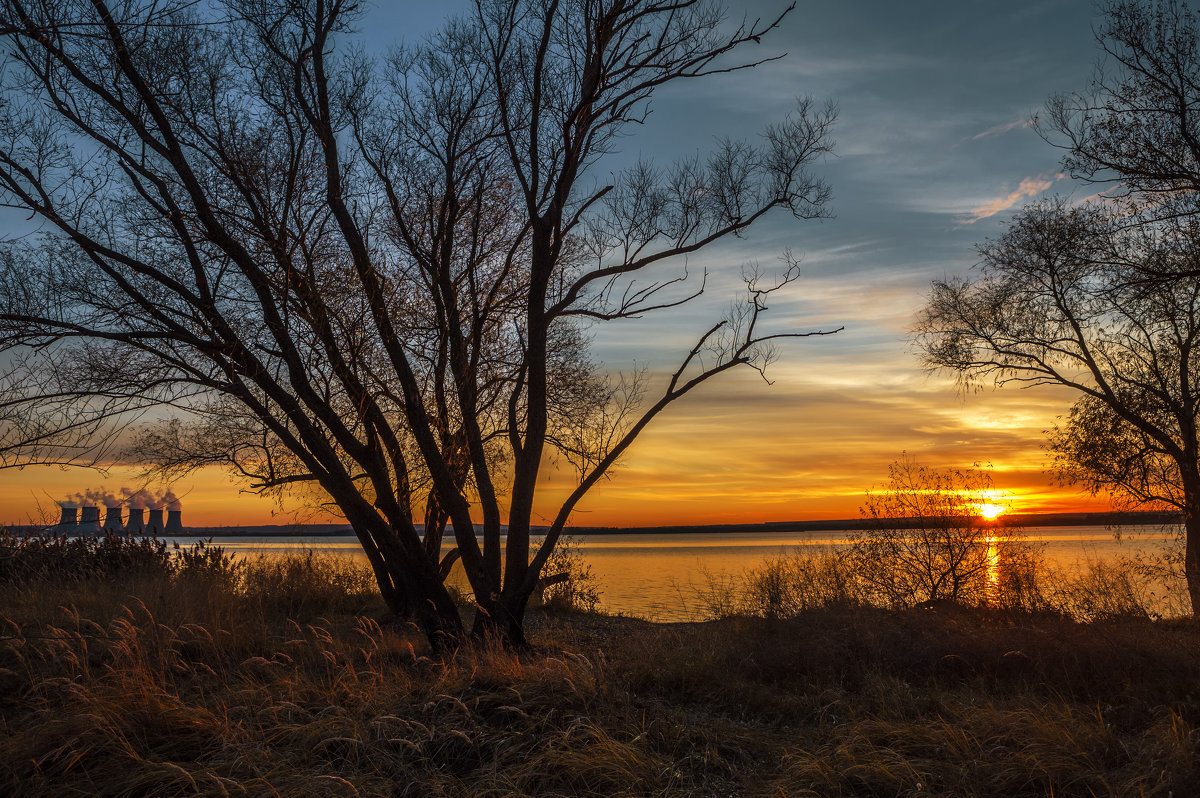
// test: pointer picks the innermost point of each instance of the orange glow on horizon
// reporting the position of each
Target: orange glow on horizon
(660, 495)
(737, 454)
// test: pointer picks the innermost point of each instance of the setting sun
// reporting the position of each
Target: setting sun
(990, 511)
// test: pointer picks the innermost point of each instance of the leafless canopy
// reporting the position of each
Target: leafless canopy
(1136, 130)
(371, 279)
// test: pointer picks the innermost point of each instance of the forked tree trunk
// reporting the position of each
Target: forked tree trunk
(414, 588)
(502, 624)
(430, 605)
(502, 620)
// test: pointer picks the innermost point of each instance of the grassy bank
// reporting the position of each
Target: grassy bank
(281, 676)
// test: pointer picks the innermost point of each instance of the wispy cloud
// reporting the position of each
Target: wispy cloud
(1004, 128)
(1029, 187)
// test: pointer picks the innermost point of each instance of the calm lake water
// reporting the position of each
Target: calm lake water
(663, 577)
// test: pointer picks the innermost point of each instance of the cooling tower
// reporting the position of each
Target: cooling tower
(112, 520)
(89, 521)
(174, 522)
(136, 523)
(69, 515)
(155, 525)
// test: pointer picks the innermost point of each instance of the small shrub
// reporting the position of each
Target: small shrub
(787, 585)
(720, 596)
(924, 540)
(580, 591)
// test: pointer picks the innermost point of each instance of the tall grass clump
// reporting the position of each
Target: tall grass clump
(307, 582)
(48, 557)
(785, 586)
(1119, 588)
(54, 570)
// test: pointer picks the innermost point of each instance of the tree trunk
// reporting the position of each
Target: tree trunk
(501, 620)
(1191, 556)
(1190, 479)
(435, 612)
(412, 585)
(435, 526)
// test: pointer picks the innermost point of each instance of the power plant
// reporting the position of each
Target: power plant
(112, 519)
(79, 519)
(155, 525)
(89, 520)
(137, 521)
(69, 516)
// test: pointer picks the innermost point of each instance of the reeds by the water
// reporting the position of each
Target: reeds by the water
(284, 677)
(787, 585)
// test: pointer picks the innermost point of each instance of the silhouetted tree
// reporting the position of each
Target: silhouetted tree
(1055, 304)
(369, 280)
(1136, 132)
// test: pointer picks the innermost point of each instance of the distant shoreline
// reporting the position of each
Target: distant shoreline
(1007, 521)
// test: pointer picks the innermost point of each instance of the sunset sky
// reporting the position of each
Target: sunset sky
(934, 153)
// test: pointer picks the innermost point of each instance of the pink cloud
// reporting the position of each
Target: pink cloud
(1004, 128)
(1029, 187)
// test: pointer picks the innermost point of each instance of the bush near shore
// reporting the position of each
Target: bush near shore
(197, 673)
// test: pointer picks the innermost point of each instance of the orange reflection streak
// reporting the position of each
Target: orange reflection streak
(992, 591)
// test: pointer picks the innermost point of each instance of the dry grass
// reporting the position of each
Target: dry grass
(272, 677)
(955, 702)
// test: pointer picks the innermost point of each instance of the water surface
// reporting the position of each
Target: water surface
(663, 577)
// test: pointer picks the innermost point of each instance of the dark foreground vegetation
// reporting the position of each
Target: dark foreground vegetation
(135, 669)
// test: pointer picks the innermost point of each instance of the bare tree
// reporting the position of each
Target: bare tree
(1055, 305)
(1137, 127)
(1135, 131)
(370, 281)
(1116, 283)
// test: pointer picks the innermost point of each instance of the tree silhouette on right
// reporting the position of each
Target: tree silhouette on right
(1136, 129)
(1103, 297)
(1058, 303)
